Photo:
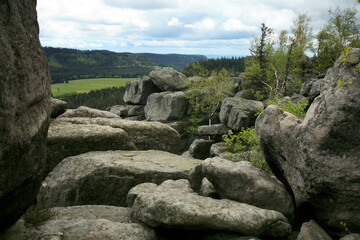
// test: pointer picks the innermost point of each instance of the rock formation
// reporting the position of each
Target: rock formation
(25, 109)
(168, 79)
(57, 107)
(318, 158)
(83, 111)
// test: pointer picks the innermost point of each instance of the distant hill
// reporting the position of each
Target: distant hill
(69, 64)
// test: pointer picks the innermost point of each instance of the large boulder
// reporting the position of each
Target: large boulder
(138, 91)
(128, 110)
(105, 178)
(145, 135)
(312, 231)
(318, 158)
(25, 109)
(242, 182)
(166, 106)
(57, 107)
(236, 112)
(83, 111)
(89, 222)
(173, 204)
(67, 139)
(168, 79)
(200, 148)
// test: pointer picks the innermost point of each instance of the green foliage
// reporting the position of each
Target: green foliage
(36, 215)
(295, 108)
(206, 94)
(204, 67)
(192, 129)
(99, 99)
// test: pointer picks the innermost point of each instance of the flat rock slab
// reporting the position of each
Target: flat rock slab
(105, 178)
(87, 112)
(67, 139)
(173, 204)
(83, 223)
(242, 182)
(145, 135)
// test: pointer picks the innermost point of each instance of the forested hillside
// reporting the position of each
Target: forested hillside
(69, 64)
(204, 67)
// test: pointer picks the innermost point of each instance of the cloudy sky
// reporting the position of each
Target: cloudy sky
(208, 27)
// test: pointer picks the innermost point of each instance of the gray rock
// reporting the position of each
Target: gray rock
(242, 182)
(351, 236)
(207, 189)
(312, 88)
(105, 178)
(166, 106)
(145, 135)
(138, 91)
(128, 110)
(83, 111)
(168, 79)
(312, 231)
(25, 109)
(200, 148)
(213, 130)
(237, 113)
(228, 236)
(67, 139)
(318, 157)
(89, 222)
(173, 204)
(221, 150)
(57, 107)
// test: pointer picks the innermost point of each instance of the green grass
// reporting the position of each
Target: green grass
(86, 85)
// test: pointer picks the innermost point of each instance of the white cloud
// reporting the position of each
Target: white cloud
(237, 25)
(205, 24)
(174, 22)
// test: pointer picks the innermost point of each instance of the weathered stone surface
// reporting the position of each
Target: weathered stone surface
(83, 111)
(207, 189)
(312, 231)
(145, 135)
(67, 139)
(139, 90)
(105, 178)
(166, 106)
(312, 88)
(221, 150)
(128, 110)
(168, 79)
(237, 113)
(57, 107)
(89, 222)
(173, 204)
(351, 236)
(242, 182)
(200, 148)
(318, 157)
(212, 130)
(25, 108)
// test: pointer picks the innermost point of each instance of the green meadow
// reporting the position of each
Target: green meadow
(86, 85)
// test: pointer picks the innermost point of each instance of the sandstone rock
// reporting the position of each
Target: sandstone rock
(145, 135)
(105, 178)
(200, 148)
(173, 204)
(166, 106)
(128, 110)
(312, 88)
(57, 107)
(212, 130)
(352, 236)
(312, 231)
(139, 90)
(237, 113)
(168, 79)
(89, 222)
(25, 109)
(67, 139)
(318, 157)
(242, 182)
(87, 112)
(207, 189)
(221, 150)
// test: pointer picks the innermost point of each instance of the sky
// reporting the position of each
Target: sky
(207, 27)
